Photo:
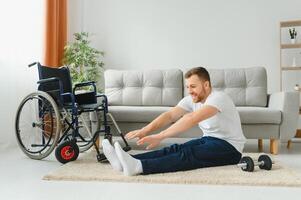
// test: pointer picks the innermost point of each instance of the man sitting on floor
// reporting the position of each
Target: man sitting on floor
(216, 115)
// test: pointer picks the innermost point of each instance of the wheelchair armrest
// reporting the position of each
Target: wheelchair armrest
(48, 80)
(89, 83)
(85, 83)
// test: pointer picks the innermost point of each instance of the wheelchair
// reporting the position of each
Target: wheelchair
(57, 116)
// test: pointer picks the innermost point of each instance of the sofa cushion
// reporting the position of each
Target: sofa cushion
(259, 115)
(246, 86)
(144, 87)
(136, 113)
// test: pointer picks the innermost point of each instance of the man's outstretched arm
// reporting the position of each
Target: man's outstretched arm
(186, 122)
(162, 120)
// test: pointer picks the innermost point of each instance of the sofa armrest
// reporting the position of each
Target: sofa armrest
(288, 104)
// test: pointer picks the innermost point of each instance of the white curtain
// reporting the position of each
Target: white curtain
(21, 40)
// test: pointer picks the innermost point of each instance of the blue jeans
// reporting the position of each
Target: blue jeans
(197, 153)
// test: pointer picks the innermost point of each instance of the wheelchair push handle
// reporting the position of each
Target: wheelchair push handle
(33, 64)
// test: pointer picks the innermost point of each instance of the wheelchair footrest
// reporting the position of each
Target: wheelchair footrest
(127, 148)
(101, 158)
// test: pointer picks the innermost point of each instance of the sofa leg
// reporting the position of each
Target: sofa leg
(273, 146)
(260, 145)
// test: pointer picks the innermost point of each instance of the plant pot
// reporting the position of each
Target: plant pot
(293, 41)
(294, 62)
(297, 87)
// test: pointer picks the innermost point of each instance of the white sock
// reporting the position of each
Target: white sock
(131, 166)
(110, 154)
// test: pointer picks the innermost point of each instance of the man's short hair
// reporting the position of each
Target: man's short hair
(201, 72)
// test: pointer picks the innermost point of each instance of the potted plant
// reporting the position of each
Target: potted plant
(83, 60)
(293, 35)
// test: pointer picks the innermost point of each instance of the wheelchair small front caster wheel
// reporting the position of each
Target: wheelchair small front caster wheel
(66, 152)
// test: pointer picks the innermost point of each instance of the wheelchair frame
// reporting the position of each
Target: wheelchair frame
(57, 105)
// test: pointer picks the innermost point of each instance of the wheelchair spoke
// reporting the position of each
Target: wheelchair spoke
(25, 124)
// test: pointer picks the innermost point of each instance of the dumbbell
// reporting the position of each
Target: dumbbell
(247, 164)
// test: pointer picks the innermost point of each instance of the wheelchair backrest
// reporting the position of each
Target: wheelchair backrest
(53, 88)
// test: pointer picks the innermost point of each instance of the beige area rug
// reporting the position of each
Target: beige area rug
(86, 168)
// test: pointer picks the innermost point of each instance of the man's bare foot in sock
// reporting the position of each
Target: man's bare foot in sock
(131, 166)
(110, 154)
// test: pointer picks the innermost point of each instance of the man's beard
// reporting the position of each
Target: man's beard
(198, 99)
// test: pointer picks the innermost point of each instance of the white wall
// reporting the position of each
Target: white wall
(144, 34)
(186, 33)
(20, 43)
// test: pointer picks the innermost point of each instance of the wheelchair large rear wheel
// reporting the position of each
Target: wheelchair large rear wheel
(37, 125)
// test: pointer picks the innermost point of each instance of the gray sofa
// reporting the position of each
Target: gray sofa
(136, 97)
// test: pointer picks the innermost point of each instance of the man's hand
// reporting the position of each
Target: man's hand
(136, 134)
(152, 141)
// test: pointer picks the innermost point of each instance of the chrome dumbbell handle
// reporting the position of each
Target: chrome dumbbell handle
(256, 163)
(244, 165)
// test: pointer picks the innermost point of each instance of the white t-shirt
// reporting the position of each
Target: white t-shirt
(225, 124)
